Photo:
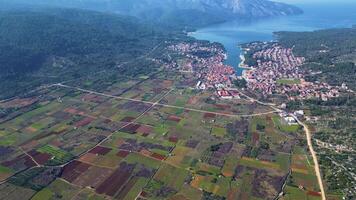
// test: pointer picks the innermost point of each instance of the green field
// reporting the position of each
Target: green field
(59, 155)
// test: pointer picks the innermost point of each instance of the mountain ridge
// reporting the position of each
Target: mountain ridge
(183, 12)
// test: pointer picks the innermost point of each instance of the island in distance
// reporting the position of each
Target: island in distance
(108, 100)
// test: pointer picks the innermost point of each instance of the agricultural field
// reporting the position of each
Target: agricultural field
(139, 142)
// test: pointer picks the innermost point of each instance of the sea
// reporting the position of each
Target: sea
(316, 16)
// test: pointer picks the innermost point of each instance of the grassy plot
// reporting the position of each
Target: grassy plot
(8, 140)
(41, 110)
(43, 123)
(13, 192)
(5, 172)
(58, 188)
(229, 167)
(249, 162)
(172, 176)
(218, 131)
(44, 194)
(206, 168)
(133, 158)
(136, 188)
(294, 193)
(178, 155)
(283, 161)
(188, 192)
(161, 129)
(2, 133)
(59, 156)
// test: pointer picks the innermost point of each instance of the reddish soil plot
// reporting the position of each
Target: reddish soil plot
(93, 177)
(158, 156)
(88, 158)
(145, 134)
(117, 180)
(29, 145)
(144, 129)
(131, 128)
(119, 142)
(59, 132)
(143, 194)
(56, 143)
(167, 83)
(193, 100)
(233, 194)
(128, 119)
(84, 122)
(19, 103)
(99, 150)
(145, 152)
(255, 138)
(173, 139)
(123, 154)
(313, 193)
(209, 115)
(72, 111)
(73, 170)
(31, 129)
(93, 98)
(21, 162)
(174, 118)
(107, 121)
(41, 158)
(127, 188)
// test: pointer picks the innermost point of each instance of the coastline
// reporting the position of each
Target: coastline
(242, 64)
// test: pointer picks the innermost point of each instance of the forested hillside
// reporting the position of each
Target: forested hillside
(331, 51)
(67, 43)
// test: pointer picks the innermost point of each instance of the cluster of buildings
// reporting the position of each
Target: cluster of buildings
(278, 71)
(291, 118)
(306, 90)
(205, 61)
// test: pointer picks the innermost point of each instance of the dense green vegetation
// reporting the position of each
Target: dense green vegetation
(240, 83)
(50, 45)
(320, 46)
(331, 52)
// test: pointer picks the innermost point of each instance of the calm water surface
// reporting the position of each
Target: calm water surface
(315, 17)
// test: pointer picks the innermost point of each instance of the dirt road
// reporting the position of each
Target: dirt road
(315, 158)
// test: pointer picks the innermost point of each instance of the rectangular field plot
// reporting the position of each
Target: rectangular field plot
(146, 143)
(172, 177)
(10, 191)
(55, 189)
